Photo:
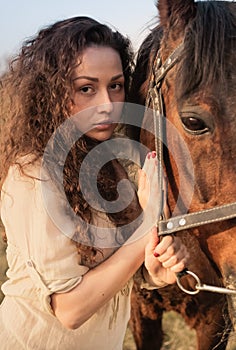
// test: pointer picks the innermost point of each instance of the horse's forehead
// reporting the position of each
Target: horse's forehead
(217, 100)
(209, 49)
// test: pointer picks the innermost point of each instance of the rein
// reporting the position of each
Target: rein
(171, 225)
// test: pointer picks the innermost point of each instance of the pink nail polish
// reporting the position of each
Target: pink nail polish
(154, 154)
(156, 254)
(149, 155)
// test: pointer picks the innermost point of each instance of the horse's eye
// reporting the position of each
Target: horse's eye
(194, 125)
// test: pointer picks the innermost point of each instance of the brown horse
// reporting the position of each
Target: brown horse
(190, 58)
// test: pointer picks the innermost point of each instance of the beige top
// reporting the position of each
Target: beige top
(42, 260)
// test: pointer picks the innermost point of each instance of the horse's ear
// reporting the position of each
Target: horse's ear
(175, 12)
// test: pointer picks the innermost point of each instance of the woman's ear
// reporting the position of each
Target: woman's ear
(70, 106)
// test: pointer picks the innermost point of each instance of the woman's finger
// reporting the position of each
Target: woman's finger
(168, 260)
(179, 267)
(141, 179)
(154, 240)
(164, 244)
(148, 186)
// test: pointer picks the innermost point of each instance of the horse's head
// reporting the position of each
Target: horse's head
(200, 101)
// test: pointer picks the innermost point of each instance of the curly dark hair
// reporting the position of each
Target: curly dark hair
(35, 95)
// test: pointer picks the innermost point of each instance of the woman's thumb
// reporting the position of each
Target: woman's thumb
(154, 239)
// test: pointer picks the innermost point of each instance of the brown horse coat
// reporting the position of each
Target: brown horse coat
(199, 100)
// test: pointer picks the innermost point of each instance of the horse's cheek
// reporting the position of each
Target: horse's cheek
(221, 245)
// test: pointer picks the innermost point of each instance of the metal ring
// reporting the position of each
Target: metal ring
(187, 272)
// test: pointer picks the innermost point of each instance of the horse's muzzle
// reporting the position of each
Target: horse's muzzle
(232, 310)
(231, 283)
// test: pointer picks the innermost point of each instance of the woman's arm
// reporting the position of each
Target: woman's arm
(101, 283)
(98, 285)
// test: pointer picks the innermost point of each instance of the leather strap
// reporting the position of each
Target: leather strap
(154, 101)
(203, 217)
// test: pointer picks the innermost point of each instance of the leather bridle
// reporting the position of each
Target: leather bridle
(185, 221)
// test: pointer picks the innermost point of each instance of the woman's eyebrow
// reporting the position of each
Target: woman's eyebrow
(117, 76)
(86, 77)
(96, 79)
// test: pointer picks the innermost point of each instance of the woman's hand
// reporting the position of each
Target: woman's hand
(163, 259)
(147, 179)
(148, 192)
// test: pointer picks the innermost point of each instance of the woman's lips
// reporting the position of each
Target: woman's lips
(103, 125)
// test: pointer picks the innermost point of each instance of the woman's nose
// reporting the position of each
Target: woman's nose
(104, 103)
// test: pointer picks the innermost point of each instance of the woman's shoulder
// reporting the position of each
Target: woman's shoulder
(26, 169)
(27, 166)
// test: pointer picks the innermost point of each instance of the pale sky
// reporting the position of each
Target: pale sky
(21, 19)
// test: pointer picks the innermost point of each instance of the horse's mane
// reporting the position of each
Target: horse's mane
(149, 47)
(208, 54)
(139, 81)
(209, 40)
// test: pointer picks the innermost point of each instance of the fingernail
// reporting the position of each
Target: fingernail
(156, 254)
(154, 154)
(149, 155)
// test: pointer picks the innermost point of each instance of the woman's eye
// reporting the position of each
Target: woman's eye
(195, 125)
(86, 90)
(116, 86)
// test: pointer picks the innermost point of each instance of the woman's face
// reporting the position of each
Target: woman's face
(98, 82)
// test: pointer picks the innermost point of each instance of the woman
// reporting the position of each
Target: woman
(70, 261)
